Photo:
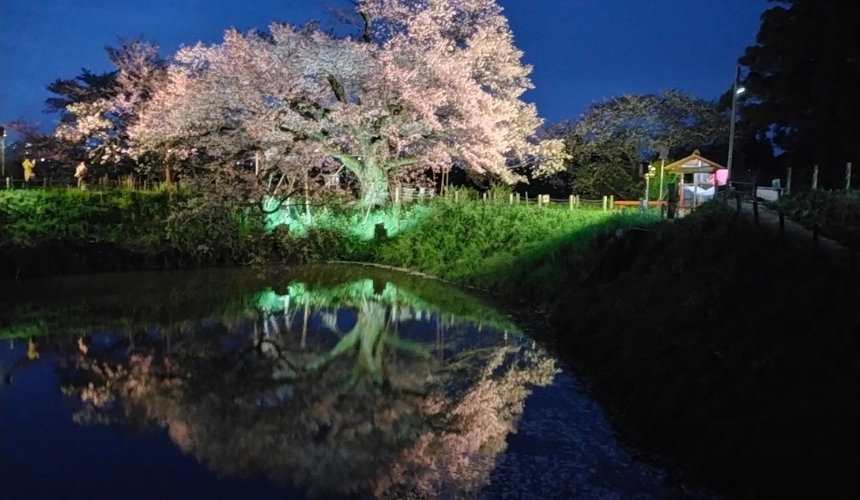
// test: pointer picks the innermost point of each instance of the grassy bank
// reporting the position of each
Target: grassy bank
(731, 353)
(51, 232)
(523, 252)
(54, 232)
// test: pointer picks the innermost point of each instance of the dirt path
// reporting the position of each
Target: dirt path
(800, 237)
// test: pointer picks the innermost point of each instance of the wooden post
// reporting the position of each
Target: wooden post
(518, 198)
(571, 202)
(511, 199)
(781, 224)
(848, 176)
(695, 192)
(853, 249)
(611, 205)
(456, 196)
(605, 203)
(815, 177)
(671, 201)
(788, 181)
(303, 341)
(485, 196)
(527, 197)
(815, 240)
(307, 201)
(44, 183)
(578, 201)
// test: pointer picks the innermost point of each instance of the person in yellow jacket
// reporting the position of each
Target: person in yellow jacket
(29, 165)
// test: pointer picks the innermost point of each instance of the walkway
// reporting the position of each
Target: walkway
(800, 237)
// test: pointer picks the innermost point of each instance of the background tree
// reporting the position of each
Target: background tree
(801, 80)
(607, 144)
(96, 110)
(50, 153)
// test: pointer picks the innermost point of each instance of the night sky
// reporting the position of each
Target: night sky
(582, 50)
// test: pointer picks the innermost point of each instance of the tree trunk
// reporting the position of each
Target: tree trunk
(374, 185)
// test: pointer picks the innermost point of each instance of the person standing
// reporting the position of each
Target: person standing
(28, 165)
(81, 175)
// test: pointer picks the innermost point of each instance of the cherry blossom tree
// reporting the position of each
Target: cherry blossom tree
(97, 116)
(424, 85)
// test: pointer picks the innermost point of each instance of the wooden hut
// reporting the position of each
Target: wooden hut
(698, 172)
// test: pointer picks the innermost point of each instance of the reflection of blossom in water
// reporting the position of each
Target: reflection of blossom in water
(457, 459)
(417, 436)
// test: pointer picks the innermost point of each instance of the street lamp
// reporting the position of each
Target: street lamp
(649, 173)
(737, 90)
(2, 151)
(664, 153)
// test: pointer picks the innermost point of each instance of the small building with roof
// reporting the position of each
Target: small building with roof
(698, 178)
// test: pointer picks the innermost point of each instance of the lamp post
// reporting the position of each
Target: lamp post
(664, 153)
(737, 90)
(648, 175)
(2, 151)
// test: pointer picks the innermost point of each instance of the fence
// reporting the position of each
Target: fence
(127, 182)
(833, 177)
(572, 202)
(403, 194)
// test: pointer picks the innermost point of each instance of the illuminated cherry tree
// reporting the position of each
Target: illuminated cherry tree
(423, 86)
(100, 124)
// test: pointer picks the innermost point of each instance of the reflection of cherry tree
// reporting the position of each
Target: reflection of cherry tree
(423, 428)
(370, 336)
(459, 456)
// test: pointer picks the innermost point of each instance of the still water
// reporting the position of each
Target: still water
(319, 382)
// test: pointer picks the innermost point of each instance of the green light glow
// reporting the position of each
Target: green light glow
(357, 224)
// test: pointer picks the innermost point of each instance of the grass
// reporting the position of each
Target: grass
(508, 249)
(731, 353)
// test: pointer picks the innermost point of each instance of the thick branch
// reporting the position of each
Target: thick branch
(367, 26)
(337, 88)
(401, 162)
(348, 161)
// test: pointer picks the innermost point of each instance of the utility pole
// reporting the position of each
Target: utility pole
(736, 91)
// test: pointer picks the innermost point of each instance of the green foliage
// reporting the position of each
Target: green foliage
(506, 248)
(55, 231)
(31, 217)
(837, 213)
(668, 178)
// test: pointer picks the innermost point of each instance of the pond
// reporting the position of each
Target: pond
(317, 382)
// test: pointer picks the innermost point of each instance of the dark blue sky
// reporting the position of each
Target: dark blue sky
(582, 50)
